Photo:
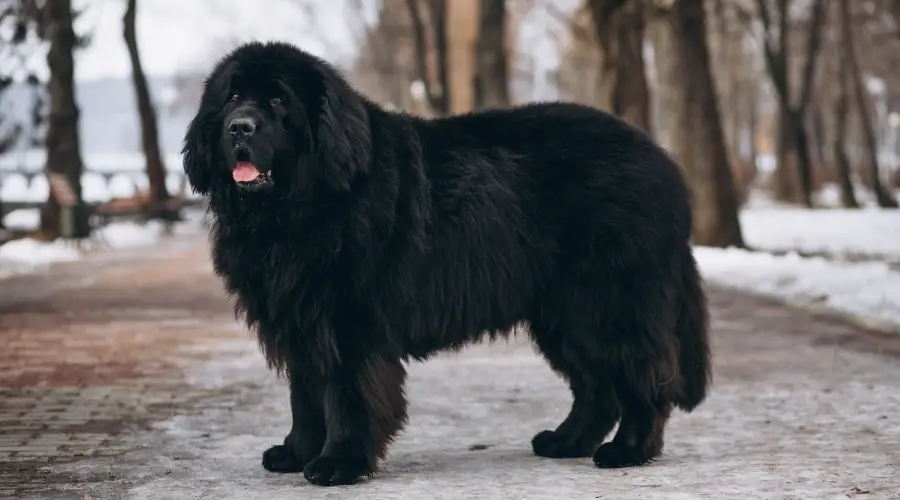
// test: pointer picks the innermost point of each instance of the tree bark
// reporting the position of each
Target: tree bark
(156, 172)
(63, 142)
(842, 163)
(883, 196)
(492, 75)
(699, 142)
(438, 96)
(619, 27)
(794, 162)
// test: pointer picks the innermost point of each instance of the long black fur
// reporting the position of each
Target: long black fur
(386, 238)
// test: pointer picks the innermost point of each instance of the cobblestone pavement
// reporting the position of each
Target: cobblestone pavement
(126, 376)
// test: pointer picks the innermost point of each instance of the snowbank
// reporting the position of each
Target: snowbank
(837, 232)
(867, 291)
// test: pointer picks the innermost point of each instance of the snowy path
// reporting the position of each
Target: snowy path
(803, 407)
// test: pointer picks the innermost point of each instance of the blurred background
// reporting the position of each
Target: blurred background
(784, 114)
(122, 366)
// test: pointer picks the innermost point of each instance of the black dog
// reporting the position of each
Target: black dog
(355, 239)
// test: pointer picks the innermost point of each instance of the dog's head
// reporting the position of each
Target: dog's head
(274, 118)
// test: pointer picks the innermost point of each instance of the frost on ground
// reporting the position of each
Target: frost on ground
(786, 420)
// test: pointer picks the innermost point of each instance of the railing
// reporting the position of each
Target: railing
(176, 181)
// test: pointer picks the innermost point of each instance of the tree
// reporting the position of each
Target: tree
(841, 110)
(698, 142)
(156, 172)
(883, 197)
(63, 143)
(9, 132)
(793, 140)
(492, 74)
(619, 31)
(437, 94)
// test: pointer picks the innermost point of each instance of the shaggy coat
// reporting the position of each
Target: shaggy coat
(373, 238)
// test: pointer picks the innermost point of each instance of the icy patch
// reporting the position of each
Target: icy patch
(869, 291)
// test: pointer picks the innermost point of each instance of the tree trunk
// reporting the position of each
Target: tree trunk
(883, 196)
(619, 27)
(839, 141)
(842, 163)
(438, 96)
(699, 143)
(63, 142)
(491, 75)
(818, 134)
(665, 97)
(156, 172)
(804, 162)
(785, 176)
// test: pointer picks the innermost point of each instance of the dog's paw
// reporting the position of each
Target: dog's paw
(280, 458)
(333, 471)
(614, 455)
(552, 444)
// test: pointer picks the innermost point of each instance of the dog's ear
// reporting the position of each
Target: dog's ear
(197, 152)
(343, 137)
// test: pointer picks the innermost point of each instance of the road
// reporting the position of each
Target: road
(127, 377)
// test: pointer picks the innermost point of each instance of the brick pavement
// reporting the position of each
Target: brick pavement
(96, 355)
(100, 354)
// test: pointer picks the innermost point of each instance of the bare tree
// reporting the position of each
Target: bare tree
(156, 171)
(841, 111)
(492, 65)
(793, 137)
(698, 142)
(619, 31)
(438, 95)
(883, 197)
(63, 143)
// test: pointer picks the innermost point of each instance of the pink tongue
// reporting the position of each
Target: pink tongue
(245, 171)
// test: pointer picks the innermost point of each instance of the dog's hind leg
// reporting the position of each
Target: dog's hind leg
(364, 409)
(307, 435)
(639, 439)
(644, 352)
(595, 408)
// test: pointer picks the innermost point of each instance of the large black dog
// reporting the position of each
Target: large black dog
(354, 239)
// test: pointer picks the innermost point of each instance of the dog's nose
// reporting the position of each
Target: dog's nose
(242, 127)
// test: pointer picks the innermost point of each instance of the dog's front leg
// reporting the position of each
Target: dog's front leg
(364, 408)
(307, 435)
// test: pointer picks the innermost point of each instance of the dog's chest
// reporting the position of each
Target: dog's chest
(273, 276)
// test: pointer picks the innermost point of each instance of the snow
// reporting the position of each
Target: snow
(28, 255)
(867, 291)
(784, 420)
(837, 231)
(855, 269)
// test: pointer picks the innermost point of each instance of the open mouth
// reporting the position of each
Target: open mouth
(245, 172)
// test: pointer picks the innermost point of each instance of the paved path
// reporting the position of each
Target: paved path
(127, 377)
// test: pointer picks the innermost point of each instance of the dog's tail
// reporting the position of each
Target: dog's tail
(691, 329)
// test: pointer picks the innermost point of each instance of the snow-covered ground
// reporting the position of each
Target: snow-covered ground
(855, 269)
(28, 255)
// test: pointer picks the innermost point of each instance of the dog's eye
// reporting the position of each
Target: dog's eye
(234, 97)
(276, 101)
